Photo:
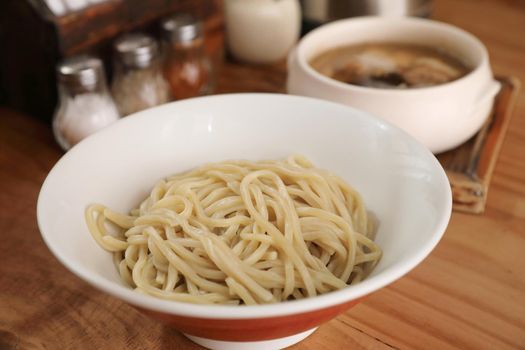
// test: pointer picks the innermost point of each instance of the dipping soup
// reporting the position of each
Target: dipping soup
(390, 65)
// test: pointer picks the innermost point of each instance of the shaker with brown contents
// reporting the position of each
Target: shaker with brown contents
(186, 66)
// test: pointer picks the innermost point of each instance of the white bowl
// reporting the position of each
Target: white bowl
(441, 117)
(401, 182)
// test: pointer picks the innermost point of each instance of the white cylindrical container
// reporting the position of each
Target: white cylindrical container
(262, 31)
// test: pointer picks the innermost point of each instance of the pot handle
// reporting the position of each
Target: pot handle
(486, 95)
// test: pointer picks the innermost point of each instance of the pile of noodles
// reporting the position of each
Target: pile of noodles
(241, 232)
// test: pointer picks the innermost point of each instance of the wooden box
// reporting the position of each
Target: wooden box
(34, 40)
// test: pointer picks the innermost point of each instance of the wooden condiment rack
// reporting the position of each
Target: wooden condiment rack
(34, 40)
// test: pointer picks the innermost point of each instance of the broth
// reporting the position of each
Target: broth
(389, 65)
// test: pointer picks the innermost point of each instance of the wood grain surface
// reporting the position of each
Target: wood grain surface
(468, 294)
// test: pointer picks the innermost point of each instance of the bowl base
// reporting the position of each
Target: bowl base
(279, 343)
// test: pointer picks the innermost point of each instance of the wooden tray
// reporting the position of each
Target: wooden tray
(469, 167)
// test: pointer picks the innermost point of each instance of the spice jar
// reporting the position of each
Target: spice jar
(187, 68)
(85, 105)
(138, 82)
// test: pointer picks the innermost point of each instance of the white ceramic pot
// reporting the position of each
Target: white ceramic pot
(441, 117)
(262, 31)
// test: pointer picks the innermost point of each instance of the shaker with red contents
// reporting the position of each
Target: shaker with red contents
(187, 68)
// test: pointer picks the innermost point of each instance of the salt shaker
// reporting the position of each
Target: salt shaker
(85, 105)
(186, 66)
(138, 82)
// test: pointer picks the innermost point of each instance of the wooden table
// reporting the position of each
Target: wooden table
(468, 294)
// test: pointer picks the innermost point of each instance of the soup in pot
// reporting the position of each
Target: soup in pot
(390, 65)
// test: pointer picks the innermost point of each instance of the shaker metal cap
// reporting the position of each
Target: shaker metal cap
(181, 28)
(82, 71)
(136, 49)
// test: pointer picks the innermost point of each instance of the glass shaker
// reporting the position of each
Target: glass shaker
(187, 68)
(85, 105)
(138, 82)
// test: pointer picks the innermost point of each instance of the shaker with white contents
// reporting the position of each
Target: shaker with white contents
(85, 105)
(138, 82)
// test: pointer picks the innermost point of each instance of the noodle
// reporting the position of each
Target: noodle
(240, 232)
